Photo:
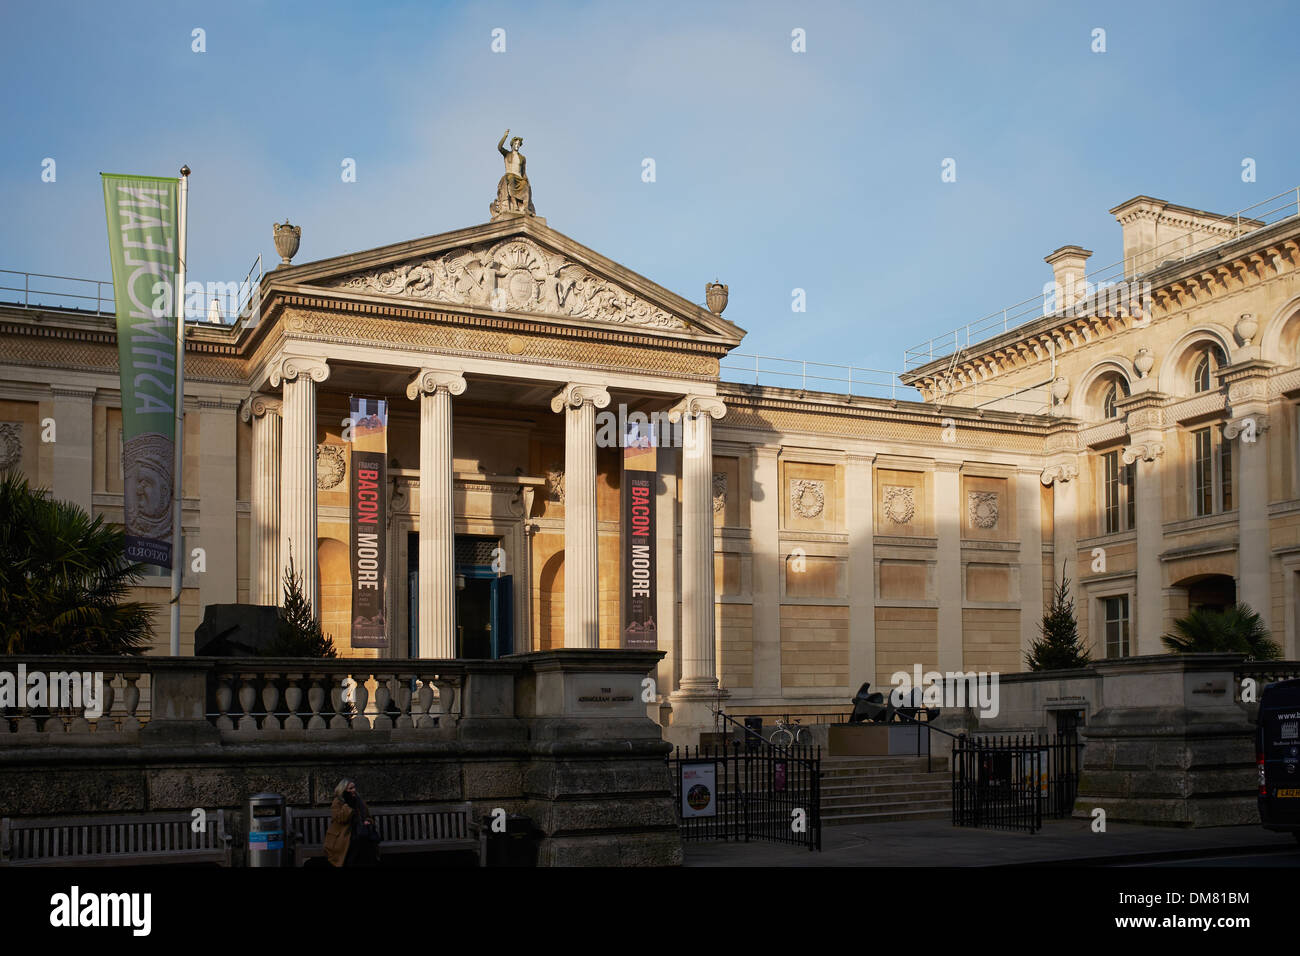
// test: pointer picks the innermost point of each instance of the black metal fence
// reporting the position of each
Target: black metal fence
(1012, 783)
(749, 790)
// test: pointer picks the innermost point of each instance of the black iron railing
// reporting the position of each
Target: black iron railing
(748, 789)
(1012, 783)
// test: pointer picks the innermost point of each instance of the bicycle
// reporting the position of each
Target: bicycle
(791, 734)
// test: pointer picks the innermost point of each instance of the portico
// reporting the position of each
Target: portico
(507, 353)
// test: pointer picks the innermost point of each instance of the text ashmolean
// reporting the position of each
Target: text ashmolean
(53, 689)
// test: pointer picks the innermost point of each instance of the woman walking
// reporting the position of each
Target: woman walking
(351, 839)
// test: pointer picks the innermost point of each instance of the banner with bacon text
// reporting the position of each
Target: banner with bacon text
(369, 521)
(640, 474)
(142, 245)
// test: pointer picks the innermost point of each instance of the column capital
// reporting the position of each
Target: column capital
(429, 381)
(694, 405)
(287, 368)
(1061, 472)
(256, 405)
(575, 395)
(1147, 452)
(1247, 426)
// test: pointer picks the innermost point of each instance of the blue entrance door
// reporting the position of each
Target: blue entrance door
(484, 607)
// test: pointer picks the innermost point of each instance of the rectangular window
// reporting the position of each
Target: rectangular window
(1117, 626)
(1225, 471)
(1111, 491)
(1202, 472)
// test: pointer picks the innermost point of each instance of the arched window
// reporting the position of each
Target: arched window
(1209, 359)
(1113, 393)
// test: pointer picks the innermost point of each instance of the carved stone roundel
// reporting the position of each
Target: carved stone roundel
(982, 507)
(899, 504)
(11, 444)
(331, 466)
(807, 497)
(555, 483)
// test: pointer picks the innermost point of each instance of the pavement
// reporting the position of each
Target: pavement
(939, 843)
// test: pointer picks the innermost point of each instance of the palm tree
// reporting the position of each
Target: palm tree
(1236, 630)
(64, 579)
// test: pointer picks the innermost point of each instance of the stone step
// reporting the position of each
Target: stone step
(895, 776)
(896, 760)
(885, 806)
(936, 787)
(886, 817)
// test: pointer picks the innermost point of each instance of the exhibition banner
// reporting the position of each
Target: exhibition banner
(142, 246)
(369, 521)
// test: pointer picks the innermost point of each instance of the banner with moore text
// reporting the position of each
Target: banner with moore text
(142, 244)
(369, 521)
(640, 475)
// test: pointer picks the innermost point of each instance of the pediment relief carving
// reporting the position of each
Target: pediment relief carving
(513, 275)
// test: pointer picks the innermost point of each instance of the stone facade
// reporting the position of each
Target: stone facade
(847, 537)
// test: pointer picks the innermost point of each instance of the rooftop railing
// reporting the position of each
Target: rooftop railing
(746, 368)
(35, 290)
(1178, 249)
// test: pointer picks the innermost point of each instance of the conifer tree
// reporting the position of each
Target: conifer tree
(300, 632)
(1059, 648)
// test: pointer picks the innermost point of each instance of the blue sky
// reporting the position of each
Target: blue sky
(775, 170)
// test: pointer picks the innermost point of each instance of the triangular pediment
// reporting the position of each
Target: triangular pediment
(521, 267)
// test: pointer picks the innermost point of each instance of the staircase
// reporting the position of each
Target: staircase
(884, 789)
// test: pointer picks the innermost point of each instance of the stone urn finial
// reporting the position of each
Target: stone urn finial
(1143, 362)
(1060, 390)
(287, 238)
(1246, 328)
(715, 295)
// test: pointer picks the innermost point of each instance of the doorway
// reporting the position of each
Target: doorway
(484, 598)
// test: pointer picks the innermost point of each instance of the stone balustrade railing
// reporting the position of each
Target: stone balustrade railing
(48, 699)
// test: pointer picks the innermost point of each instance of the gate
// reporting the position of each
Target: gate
(752, 790)
(1012, 783)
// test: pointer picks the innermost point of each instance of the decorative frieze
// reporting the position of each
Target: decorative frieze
(515, 275)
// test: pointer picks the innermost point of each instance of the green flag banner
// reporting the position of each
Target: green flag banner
(142, 243)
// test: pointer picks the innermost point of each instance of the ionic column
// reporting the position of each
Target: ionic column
(1253, 543)
(581, 555)
(699, 661)
(74, 440)
(264, 583)
(1060, 477)
(437, 588)
(1150, 617)
(300, 377)
(951, 642)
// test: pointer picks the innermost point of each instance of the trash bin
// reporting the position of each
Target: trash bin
(265, 830)
(516, 845)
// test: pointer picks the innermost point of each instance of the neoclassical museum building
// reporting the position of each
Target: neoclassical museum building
(1139, 435)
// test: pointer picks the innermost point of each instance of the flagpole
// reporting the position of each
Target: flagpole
(178, 463)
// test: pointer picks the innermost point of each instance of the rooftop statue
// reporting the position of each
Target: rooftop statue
(514, 193)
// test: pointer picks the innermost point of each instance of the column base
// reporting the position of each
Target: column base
(692, 714)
